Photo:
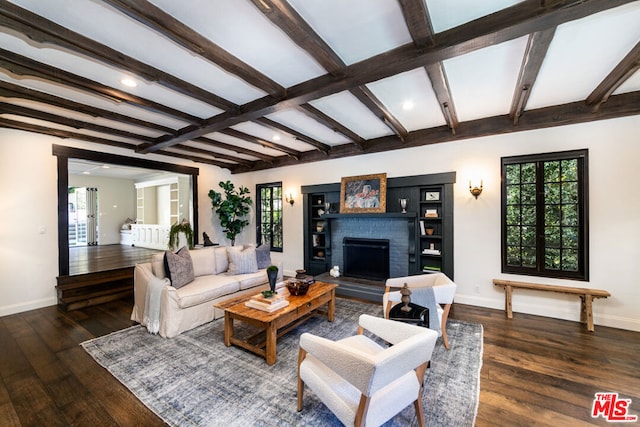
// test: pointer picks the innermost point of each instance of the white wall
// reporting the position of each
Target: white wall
(614, 219)
(614, 212)
(116, 203)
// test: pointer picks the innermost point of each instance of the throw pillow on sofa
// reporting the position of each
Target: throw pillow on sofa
(263, 256)
(242, 260)
(179, 267)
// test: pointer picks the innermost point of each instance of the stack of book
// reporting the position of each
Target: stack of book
(431, 252)
(431, 213)
(270, 304)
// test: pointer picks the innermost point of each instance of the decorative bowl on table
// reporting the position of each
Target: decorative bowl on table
(297, 287)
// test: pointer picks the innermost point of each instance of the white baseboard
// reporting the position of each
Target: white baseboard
(6, 310)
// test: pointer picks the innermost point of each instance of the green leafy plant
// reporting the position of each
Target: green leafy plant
(174, 234)
(272, 268)
(231, 208)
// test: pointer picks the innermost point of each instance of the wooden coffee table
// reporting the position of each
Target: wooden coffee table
(273, 325)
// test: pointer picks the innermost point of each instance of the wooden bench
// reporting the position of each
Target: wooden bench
(586, 295)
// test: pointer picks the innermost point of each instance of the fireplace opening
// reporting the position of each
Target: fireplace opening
(366, 258)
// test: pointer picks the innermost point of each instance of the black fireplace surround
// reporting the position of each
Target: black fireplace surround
(366, 258)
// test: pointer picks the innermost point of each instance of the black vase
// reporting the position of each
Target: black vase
(272, 275)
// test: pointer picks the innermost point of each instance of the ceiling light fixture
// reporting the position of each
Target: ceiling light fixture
(407, 105)
(276, 137)
(129, 82)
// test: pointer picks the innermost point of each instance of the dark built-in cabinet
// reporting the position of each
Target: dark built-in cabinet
(429, 217)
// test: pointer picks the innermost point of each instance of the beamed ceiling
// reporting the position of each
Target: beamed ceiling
(255, 84)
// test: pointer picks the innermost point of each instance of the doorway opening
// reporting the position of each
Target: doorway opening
(83, 216)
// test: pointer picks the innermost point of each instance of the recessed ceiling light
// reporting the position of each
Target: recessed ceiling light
(105, 166)
(276, 137)
(407, 105)
(129, 82)
(86, 173)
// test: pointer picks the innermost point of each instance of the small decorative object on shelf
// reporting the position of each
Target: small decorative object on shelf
(432, 195)
(403, 205)
(431, 213)
(327, 207)
(429, 230)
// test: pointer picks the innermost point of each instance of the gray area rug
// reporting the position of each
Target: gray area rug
(194, 380)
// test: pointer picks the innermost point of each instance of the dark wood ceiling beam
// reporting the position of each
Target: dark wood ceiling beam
(44, 130)
(317, 115)
(263, 142)
(441, 88)
(508, 24)
(416, 16)
(10, 90)
(535, 52)
(279, 127)
(297, 29)
(233, 148)
(376, 106)
(420, 27)
(66, 121)
(629, 65)
(213, 154)
(168, 26)
(23, 66)
(42, 30)
(627, 104)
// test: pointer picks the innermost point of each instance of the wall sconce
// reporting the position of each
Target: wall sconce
(475, 190)
(289, 199)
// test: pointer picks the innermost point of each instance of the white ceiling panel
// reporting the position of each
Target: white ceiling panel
(356, 29)
(96, 101)
(245, 144)
(482, 82)
(350, 112)
(631, 85)
(302, 123)
(116, 30)
(109, 76)
(582, 53)
(446, 14)
(241, 29)
(411, 87)
(269, 135)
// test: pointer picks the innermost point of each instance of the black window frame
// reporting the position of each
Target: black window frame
(582, 272)
(259, 232)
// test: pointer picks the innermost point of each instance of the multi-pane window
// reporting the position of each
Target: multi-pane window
(269, 222)
(544, 215)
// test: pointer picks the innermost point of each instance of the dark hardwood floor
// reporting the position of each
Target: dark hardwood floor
(536, 371)
(91, 259)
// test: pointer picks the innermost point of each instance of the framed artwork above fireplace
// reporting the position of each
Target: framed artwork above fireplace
(364, 194)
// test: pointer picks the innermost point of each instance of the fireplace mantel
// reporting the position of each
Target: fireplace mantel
(390, 215)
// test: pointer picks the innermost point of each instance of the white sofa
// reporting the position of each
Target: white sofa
(192, 305)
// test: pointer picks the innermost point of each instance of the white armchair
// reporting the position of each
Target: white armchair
(443, 288)
(362, 382)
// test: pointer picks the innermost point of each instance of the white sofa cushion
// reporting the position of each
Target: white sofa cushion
(206, 288)
(222, 262)
(204, 261)
(242, 260)
(157, 265)
(251, 280)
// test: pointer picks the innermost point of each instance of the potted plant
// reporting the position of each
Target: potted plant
(429, 229)
(231, 208)
(174, 234)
